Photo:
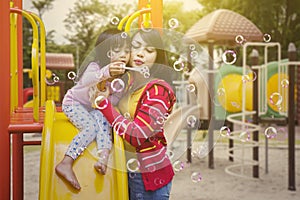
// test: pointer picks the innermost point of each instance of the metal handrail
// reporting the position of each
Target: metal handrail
(123, 21)
(34, 61)
(135, 15)
(13, 63)
(42, 57)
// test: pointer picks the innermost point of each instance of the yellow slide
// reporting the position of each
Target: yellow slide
(57, 134)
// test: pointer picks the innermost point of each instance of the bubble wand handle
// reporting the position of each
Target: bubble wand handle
(132, 69)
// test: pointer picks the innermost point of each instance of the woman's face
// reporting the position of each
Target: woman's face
(141, 53)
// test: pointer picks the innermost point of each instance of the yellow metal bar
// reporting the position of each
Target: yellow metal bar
(13, 63)
(122, 22)
(34, 61)
(156, 12)
(147, 18)
(35, 78)
(42, 58)
(135, 15)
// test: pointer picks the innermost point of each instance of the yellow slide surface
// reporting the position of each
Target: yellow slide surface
(57, 135)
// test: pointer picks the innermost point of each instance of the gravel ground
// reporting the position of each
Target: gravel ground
(214, 184)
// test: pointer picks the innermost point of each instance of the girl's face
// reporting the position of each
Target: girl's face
(120, 54)
(141, 53)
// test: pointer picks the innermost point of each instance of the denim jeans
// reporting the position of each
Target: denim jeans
(137, 190)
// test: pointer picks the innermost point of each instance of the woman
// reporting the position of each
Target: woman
(148, 101)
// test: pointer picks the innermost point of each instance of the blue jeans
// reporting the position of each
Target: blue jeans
(137, 190)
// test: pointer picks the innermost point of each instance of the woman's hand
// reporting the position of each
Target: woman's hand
(116, 68)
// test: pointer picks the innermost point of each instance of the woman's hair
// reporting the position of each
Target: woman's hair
(107, 41)
(153, 38)
(160, 68)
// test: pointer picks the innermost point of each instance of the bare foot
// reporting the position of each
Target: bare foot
(64, 170)
(101, 165)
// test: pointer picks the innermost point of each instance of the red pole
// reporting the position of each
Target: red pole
(17, 143)
(17, 167)
(4, 100)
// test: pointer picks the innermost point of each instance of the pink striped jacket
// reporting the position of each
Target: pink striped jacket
(145, 132)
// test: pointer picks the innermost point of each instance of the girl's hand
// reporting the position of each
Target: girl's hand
(94, 92)
(116, 68)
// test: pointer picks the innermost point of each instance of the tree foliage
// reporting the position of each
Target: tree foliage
(87, 19)
(279, 18)
(90, 17)
(186, 19)
(42, 6)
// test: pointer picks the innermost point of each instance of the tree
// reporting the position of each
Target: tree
(42, 6)
(174, 11)
(87, 19)
(279, 18)
(27, 41)
(177, 21)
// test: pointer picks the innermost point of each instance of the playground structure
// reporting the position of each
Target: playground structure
(56, 86)
(44, 117)
(246, 94)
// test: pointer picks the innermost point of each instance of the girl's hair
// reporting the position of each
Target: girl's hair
(107, 41)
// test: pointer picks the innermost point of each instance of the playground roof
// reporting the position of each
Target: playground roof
(60, 61)
(223, 26)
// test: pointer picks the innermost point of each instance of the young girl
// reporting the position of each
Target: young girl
(149, 101)
(112, 51)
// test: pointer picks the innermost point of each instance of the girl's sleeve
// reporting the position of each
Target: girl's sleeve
(94, 74)
(156, 104)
